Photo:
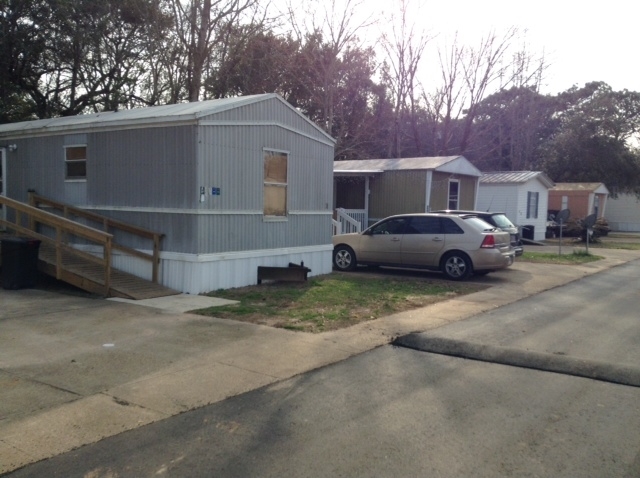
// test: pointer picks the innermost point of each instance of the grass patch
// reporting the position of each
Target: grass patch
(613, 245)
(332, 301)
(577, 257)
(611, 241)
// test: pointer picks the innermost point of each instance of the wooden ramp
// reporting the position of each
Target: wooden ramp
(60, 257)
(89, 276)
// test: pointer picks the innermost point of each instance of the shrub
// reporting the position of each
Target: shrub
(576, 228)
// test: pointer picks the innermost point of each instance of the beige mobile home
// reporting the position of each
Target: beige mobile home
(372, 189)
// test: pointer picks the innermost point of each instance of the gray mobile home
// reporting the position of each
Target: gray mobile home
(232, 183)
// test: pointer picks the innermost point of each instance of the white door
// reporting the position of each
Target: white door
(3, 182)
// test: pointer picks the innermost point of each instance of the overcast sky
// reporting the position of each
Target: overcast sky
(583, 40)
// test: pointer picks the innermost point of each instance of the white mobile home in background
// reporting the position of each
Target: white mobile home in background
(522, 195)
(623, 213)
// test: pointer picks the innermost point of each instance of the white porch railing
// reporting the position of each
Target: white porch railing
(349, 220)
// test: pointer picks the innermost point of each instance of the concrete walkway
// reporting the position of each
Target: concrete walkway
(76, 369)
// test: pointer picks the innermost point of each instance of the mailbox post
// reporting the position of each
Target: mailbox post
(588, 222)
(562, 217)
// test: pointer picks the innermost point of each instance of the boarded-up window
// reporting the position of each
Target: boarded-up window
(75, 158)
(275, 183)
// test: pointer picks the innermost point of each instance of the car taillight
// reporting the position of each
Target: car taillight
(489, 242)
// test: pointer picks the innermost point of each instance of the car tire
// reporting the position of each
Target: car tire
(344, 259)
(456, 266)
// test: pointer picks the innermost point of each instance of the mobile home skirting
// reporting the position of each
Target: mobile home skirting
(200, 273)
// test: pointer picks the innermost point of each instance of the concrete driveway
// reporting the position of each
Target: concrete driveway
(75, 369)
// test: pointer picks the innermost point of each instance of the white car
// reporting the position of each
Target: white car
(458, 245)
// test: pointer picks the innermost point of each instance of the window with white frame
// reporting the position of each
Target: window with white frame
(275, 183)
(454, 193)
(75, 162)
(532, 205)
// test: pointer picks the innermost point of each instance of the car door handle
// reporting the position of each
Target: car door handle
(395, 239)
(436, 239)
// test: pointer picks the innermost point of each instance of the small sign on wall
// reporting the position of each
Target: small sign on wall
(212, 191)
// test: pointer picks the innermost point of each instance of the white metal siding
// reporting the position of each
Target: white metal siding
(539, 223)
(195, 277)
(499, 197)
(201, 273)
(623, 213)
(512, 200)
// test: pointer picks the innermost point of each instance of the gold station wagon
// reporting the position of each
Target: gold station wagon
(458, 245)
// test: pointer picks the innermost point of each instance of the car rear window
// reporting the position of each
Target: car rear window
(478, 223)
(450, 227)
(502, 221)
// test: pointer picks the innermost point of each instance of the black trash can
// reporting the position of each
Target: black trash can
(19, 262)
(528, 232)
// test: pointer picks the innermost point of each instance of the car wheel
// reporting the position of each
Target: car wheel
(344, 259)
(456, 266)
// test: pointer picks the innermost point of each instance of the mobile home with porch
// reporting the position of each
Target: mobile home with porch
(372, 189)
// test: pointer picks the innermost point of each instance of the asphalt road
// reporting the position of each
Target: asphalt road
(589, 328)
(398, 411)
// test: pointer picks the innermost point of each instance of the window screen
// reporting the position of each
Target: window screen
(75, 159)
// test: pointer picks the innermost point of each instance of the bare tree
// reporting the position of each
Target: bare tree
(467, 75)
(90, 55)
(404, 48)
(328, 34)
(446, 105)
(201, 26)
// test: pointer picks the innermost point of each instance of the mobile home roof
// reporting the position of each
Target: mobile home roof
(518, 177)
(137, 117)
(448, 164)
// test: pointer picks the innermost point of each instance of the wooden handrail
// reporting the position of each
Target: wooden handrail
(36, 200)
(108, 225)
(63, 228)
